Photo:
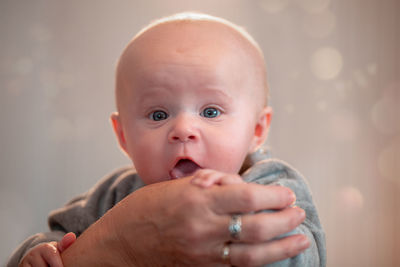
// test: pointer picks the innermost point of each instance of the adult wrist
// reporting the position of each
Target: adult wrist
(99, 245)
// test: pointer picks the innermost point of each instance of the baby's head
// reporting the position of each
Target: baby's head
(191, 93)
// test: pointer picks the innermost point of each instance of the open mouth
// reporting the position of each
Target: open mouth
(183, 168)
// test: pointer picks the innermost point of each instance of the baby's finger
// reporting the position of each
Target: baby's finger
(33, 260)
(66, 241)
(230, 179)
(206, 178)
(265, 253)
(51, 255)
(37, 262)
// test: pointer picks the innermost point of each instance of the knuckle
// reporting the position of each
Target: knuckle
(194, 233)
(190, 198)
(259, 231)
(247, 259)
(249, 199)
(28, 258)
(48, 247)
(38, 251)
(208, 177)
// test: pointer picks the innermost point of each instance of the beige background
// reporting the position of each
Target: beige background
(335, 80)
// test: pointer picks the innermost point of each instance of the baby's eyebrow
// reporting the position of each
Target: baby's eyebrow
(219, 94)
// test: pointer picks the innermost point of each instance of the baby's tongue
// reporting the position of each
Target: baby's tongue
(183, 168)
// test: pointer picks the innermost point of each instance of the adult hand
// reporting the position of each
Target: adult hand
(176, 223)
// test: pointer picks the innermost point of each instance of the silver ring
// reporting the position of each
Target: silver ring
(235, 226)
(226, 253)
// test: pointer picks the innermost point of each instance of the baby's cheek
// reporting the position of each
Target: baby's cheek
(227, 158)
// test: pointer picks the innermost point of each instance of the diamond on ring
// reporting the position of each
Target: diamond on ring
(225, 253)
(235, 226)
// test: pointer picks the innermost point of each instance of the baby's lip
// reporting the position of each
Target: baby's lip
(183, 167)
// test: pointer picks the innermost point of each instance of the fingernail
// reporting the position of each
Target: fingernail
(292, 198)
(291, 195)
(304, 242)
(300, 212)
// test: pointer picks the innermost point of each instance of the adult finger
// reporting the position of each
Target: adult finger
(249, 197)
(269, 252)
(261, 227)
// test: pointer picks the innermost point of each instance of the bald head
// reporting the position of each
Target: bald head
(191, 39)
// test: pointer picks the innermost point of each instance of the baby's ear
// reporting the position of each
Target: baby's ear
(118, 130)
(261, 129)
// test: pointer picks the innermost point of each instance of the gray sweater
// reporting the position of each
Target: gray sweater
(85, 209)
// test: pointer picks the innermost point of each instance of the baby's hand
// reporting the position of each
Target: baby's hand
(48, 254)
(206, 178)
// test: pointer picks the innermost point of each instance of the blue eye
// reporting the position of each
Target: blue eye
(210, 113)
(159, 115)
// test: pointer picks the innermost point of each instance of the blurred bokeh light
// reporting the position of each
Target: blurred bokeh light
(333, 69)
(326, 63)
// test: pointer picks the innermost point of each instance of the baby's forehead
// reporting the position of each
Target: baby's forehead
(178, 75)
(193, 45)
(190, 43)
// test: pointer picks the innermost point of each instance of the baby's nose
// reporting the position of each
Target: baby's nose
(183, 130)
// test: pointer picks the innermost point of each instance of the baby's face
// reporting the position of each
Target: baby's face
(187, 103)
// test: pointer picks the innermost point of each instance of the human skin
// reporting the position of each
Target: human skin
(176, 71)
(185, 225)
(182, 77)
(48, 254)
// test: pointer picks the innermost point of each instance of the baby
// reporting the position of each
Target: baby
(191, 94)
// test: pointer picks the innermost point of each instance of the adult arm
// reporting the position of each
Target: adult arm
(166, 219)
(175, 223)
